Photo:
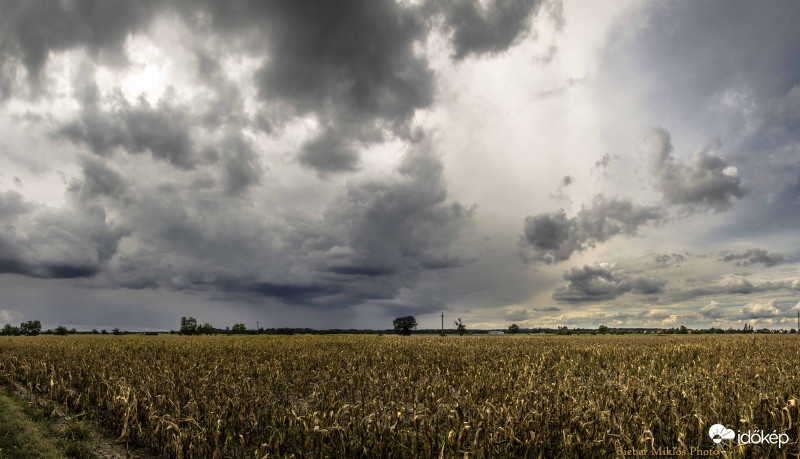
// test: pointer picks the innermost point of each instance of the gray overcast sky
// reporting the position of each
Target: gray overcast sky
(341, 163)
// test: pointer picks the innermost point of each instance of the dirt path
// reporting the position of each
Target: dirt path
(103, 438)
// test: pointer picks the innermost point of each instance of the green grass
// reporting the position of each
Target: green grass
(29, 432)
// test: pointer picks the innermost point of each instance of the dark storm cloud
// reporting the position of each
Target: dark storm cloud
(669, 259)
(31, 30)
(162, 131)
(350, 63)
(754, 256)
(739, 286)
(517, 314)
(77, 242)
(330, 152)
(604, 282)
(12, 204)
(478, 28)
(100, 180)
(705, 183)
(404, 225)
(374, 240)
(353, 65)
(554, 237)
(226, 106)
(242, 167)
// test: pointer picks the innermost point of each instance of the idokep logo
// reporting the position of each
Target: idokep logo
(719, 432)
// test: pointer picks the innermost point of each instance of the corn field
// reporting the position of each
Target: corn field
(420, 396)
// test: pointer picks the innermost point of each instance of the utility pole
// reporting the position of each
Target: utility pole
(798, 321)
(798, 318)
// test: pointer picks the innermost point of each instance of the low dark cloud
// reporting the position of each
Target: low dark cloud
(12, 204)
(100, 180)
(478, 28)
(669, 259)
(754, 256)
(242, 166)
(161, 131)
(32, 30)
(75, 242)
(330, 152)
(604, 282)
(738, 286)
(517, 315)
(318, 64)
(706, 182)
(376, 239)
(554, 237)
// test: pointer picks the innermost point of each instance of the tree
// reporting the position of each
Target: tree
(206, 329)
(683, 330)
(30, 328)
(10, 330)
(116, 331)
(239, 329)
(603, 329)
(514, 328)
(404, 325)
(61, 330)
(460, 327)
(188, 326)
(563, 331)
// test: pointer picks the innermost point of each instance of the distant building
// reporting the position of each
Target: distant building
(496, 332)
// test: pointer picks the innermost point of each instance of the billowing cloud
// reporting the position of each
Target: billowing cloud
(479, 28)
(378, 237)
(604, 281)
(707, 182)
(32, 30)
(329, 152)
(75, 242)
(161, 131)
(242, 166)
(554, 237)
(737, 286)
(100, 180)
(517, 315)
(771, 309)
(754, 256)
(669, 259)
(12, 204)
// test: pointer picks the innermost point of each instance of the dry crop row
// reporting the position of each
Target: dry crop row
(426, 396)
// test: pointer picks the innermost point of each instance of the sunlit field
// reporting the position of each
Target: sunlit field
(421, 396)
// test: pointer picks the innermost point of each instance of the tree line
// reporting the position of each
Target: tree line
(401, 325)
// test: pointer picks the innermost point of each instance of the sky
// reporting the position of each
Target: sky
(339, 164)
